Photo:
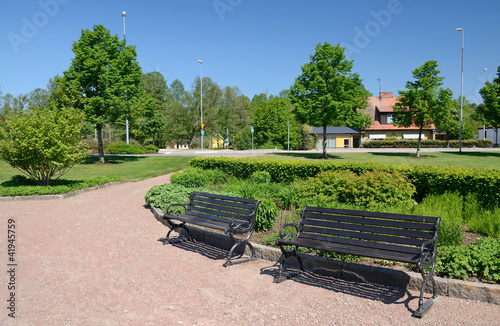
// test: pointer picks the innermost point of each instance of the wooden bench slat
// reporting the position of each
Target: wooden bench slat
(236, 199)
(333, 233)
(392, 216)
(380, 222)
(195, 204)
(325, 240)
(360, 251)
(226, 215)
(368, 228)
(203, 222)
(223, 203)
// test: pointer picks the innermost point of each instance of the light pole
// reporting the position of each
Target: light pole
(461, 89)
(484, 82)
(201, 100)
(124, 14)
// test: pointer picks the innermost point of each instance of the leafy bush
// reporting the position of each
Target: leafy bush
(124, 148)
(480, 259)
(162, 196)
(192, 178)
(266, 215)
(150, 149)
(260, 177)
(44, 143)
(425, 143)
(19, 185)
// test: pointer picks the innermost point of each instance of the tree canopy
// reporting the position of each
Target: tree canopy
(104, 78)
(423, 101)
(491, 96)
(328, 92)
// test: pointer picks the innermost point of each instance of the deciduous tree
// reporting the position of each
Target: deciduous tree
(328, 92)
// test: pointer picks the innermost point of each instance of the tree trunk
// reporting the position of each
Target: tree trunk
(100, 146)
(324, 142)
(419, 139)
(448, 139)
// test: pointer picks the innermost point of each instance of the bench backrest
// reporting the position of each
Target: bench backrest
(370, 233)
(219, 209)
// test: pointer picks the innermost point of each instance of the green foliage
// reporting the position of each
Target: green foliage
(327, 92)
(103, 80)
(260, 177)
(124, 148)
(491, 96)
(480, 259)
(425, 143)
(194, 178)
(21, 186)
(162, 196)
(44, 143)
(151, 149)
(266, 215)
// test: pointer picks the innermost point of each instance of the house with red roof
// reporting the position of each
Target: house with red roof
(380, 109)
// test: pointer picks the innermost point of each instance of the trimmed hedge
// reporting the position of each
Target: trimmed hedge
(123, 148)
(425, 143)
(485, 183)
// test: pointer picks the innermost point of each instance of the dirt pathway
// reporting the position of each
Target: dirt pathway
(94, 259)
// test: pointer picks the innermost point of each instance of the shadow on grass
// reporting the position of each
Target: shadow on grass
(21, 180)
(405, 155)
(477, 154)
(94, 159)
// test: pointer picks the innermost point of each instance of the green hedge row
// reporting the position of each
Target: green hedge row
(485, 183)
(425, 143)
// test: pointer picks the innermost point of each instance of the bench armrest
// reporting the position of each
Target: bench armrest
(428, 253)
(174, 209)
(236, 226)
(288, 235)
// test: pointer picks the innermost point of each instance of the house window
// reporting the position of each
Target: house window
(377, 136)
(410, 136)
(389, 118)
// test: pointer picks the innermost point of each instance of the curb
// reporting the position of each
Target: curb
(61, 196)
(483, 292)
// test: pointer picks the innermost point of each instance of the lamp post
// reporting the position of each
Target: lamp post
(484, 82)
(461, 89)
(124, 14)
(201, 100)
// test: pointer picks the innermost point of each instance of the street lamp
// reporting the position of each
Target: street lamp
(484, 82)
(124, 14)
(201, 100)
(461, 88)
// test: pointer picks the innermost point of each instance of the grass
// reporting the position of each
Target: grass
(486, 160)
(127, 168)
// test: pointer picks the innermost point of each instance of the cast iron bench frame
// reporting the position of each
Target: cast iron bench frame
(233, 215)
(397, 237)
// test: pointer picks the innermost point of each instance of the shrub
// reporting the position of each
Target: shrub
(43, 143)
(123, 148)
(162, 196)
(480, 259)
(192, 178)
(266, 215)
(150, 149)
(260, 177)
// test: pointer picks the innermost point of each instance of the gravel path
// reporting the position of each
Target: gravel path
(94, 259)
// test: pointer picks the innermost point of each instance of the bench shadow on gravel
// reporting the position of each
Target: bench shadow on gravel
(201, 248)
(370, 291)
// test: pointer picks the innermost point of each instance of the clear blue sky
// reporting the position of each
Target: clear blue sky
(257, 45)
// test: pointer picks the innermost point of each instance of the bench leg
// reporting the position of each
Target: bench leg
(179, 228)
(424, 307)
(238, 243)
(287, 254)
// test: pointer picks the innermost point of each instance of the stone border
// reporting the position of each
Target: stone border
(483, 292)
(61, 196)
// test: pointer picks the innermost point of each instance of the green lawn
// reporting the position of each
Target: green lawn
(128, 168)
(486, 160)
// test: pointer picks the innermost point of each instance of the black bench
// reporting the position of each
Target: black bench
(402, 238)
(235, 216)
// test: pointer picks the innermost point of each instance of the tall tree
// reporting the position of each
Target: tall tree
(104, 79)
(423, 98)
(328, 92)
(233, 112)
(491, 97)
(447, 118)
